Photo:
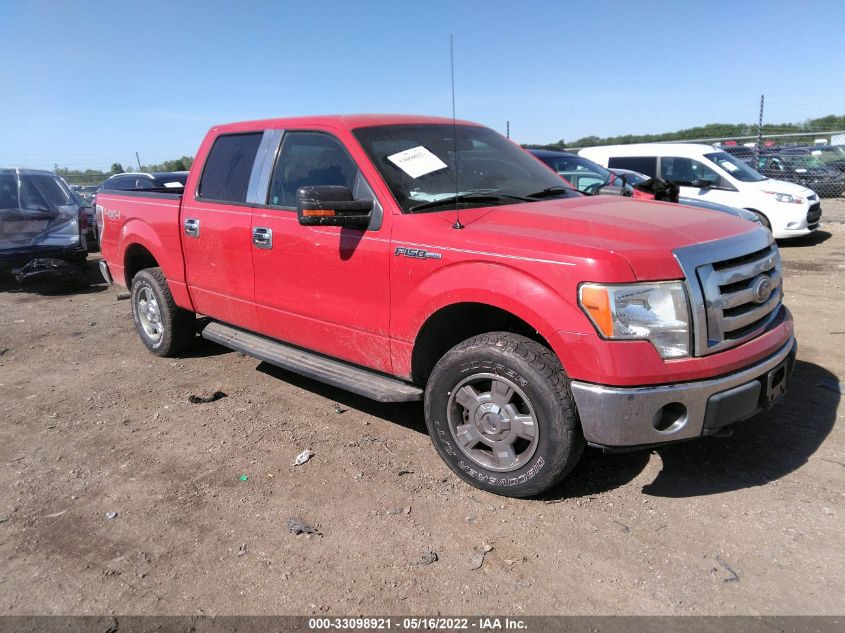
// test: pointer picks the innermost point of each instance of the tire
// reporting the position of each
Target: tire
(484, 391)
(763, 219)
(165, 328)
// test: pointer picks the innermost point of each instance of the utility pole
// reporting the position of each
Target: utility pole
(760, 126)
(509, 129)
(138, 158)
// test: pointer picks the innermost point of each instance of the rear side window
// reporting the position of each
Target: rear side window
(644, 164)
(228, 167)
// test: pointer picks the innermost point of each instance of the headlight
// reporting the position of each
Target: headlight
(655, 312)
(785, 197)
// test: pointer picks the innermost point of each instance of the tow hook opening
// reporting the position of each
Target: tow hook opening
(670, 417)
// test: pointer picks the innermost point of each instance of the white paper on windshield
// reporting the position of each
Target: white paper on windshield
(417, 161)
(729, 166)
(800, 170)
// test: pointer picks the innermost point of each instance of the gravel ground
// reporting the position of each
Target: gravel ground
(119, 496)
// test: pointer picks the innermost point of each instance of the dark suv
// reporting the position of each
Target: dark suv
(167, 181)
(40, 217)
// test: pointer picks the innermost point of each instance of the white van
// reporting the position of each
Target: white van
(708, 173)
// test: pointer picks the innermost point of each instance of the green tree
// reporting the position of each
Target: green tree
(116, 168)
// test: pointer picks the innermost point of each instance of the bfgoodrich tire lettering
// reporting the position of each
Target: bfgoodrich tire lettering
(164, 328)
(500, 414)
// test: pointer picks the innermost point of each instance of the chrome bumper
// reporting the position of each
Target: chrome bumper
(641, 416)
(105, 272)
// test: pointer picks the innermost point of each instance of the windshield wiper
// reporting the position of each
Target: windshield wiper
(467, 197)
(554, 191)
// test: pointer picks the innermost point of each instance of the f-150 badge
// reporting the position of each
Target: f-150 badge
(416, 253)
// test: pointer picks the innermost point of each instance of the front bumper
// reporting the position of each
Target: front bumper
(626, 417)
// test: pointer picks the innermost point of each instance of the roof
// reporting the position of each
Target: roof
(21, 170)
(689, 150)
(346, 121)
(547, 153)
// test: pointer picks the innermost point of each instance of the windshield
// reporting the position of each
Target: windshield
(174, 180)
(582, 172)
(802, 161)
(735, 167)
(631, 177)
(418, 164)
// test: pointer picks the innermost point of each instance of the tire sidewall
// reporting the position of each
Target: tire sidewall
(141, 281)
(543, 469)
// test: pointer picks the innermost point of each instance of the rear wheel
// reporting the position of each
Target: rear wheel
(165, 328)
(499, 412)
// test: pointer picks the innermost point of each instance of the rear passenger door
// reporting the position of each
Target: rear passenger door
(216, 231)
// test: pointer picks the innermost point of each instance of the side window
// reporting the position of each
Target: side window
(684, 171)
(646, 165)
(228, 167)
(310, 159)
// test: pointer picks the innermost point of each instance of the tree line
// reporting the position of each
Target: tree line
(713, 130)
(96, 176)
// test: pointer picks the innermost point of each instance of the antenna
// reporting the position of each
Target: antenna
(457, 224)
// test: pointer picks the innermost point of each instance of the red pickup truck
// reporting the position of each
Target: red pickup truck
(416, 258)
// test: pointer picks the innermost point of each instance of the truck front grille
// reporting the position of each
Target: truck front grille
(735, 287)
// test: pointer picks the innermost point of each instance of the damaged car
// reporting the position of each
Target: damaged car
(42, 227)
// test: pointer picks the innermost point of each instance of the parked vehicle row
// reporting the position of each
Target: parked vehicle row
(416, 258)
(821, 169)
(707, 173)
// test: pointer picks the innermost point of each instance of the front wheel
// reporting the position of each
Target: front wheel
(165, 328)
(500, 414)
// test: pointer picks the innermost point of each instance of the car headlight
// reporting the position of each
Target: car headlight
(786, 197)
(655, 312)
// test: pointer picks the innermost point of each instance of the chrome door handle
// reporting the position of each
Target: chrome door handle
(261, 237)
(192, 227)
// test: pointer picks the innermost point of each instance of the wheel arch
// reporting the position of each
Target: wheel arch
(455, 322)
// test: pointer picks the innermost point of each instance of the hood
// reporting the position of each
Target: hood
(598, 228)
(782, 186)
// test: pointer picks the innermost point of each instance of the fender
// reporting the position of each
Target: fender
(167, 254)
(497, 285)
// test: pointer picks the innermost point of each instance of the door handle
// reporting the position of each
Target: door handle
(262, 237)
(192, 227)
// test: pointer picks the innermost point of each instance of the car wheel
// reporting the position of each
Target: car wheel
(165, 328)
(763, 219)
(500, 414)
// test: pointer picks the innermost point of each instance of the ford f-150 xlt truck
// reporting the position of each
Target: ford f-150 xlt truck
(414, 258)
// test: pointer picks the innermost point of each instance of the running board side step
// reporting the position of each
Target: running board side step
(328, 370)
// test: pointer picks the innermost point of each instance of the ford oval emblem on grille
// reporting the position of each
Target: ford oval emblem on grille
(761, 288)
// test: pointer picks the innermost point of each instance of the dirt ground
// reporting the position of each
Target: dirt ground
(93, 424)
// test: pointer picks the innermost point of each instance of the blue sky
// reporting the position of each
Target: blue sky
(85, 84)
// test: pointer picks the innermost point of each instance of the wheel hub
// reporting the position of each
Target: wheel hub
(492, 421)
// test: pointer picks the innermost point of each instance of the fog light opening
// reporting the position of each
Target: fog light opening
(670, 417)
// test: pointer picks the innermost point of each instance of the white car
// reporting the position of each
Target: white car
(707, 173)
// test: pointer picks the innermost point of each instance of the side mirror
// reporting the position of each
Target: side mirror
(701, 183)
(613, 190)
(332, 205)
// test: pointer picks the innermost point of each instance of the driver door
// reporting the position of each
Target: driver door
(684, 171)
(325, 288)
